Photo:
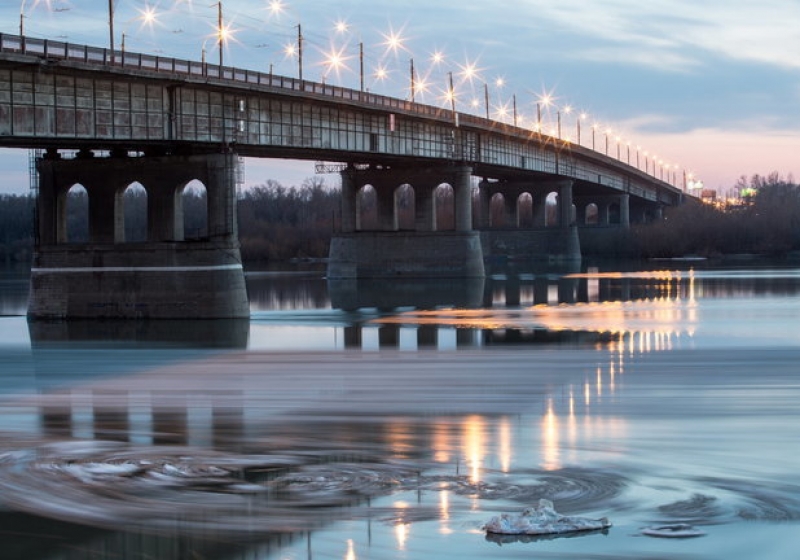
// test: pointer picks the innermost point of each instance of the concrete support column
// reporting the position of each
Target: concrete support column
(462, 191)
(386, 214)
(580, 214)
(484, 205)
(602, 213)
(510, 214)
(348, 201)
(165, 214)
(424, 211)
(104, 211)
(565, 203)
(624, 211)
(539, 209)
(221, 192)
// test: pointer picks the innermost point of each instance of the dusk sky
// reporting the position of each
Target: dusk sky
(710, 85)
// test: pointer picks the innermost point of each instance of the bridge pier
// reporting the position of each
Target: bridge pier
(534, 237)
(164, 276)
(425, 241)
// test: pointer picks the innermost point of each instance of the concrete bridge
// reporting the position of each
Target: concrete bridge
(107, 121)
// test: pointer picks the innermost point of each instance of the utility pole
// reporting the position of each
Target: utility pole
(299, 52)
(111, 28)
(220, 31)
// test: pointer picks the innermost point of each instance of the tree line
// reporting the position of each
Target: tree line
(278, 223)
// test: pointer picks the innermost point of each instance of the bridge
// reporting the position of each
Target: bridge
(107, 119)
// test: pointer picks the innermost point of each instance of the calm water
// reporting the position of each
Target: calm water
(392, 420)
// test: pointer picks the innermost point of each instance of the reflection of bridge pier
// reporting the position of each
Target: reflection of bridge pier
(161, 276)
(147, 417)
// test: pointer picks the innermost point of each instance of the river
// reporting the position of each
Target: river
(356, 420)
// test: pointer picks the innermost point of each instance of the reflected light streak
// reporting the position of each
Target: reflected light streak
(550, 439)
(351, 553)
(505, 444)
(401, 535)
(474, 446)
(444, 506)
(441, 443)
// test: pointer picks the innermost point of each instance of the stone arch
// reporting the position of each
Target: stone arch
(366, 208)
(525, 210)
(404, 207)
(73, 215)
(130, 214)
(591, 214)
(551, 209)
(444, 207)
(497, 216)
(191, 211)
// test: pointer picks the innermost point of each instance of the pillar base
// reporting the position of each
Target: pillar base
(408, 254)
(203, 280)
(547, 245)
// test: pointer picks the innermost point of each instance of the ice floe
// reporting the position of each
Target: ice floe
(542, 519)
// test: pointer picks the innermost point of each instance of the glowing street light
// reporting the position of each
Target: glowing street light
(147, 17)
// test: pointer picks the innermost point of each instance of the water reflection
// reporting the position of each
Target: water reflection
(570, 386)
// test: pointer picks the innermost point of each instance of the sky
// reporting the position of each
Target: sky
(712, 86)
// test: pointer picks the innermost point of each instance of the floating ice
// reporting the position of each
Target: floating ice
(542, 520)
(674, 531)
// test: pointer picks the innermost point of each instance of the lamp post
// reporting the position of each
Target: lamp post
(111, 28)
(22, 18)
(412, 81)
(220, 33)
(299, 52)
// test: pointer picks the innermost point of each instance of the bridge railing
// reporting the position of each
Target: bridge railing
(60, 50)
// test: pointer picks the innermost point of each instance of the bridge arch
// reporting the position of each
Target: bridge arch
(551, 209)
(131, 214)
(366, 208)
(191, 210)
(404, 208)
(591, 214)
(444, 207)
(73, 215)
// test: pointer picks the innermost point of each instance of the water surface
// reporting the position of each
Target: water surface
(391, 420)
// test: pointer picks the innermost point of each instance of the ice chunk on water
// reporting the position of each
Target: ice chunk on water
(542, 519)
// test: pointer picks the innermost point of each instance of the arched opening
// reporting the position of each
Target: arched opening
(366, 208)
(525, 210)
(591, 214)
(133, 226)
(74, 219)
(194, 210)
(497, 211)
(444, 207)
(551, 210)
(404, 204)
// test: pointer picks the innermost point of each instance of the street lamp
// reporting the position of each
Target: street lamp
(146, 16)
(221, 33)
(111, 28)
